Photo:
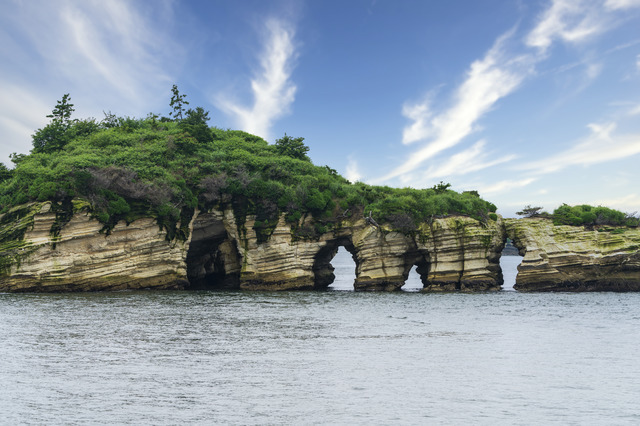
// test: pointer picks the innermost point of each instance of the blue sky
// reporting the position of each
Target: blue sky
(528, 102)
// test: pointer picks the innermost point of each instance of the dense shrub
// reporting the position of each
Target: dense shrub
(586, 215)
(128, 168)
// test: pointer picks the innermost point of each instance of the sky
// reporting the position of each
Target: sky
(532, 102)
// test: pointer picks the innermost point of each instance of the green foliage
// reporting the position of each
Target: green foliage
(292, 147)
(178, 102)
(5, 173)
(442, 187)
(126, 168)
(195, 124)
(54, 136)
(529, 211)
(586, 215)
(62, 111)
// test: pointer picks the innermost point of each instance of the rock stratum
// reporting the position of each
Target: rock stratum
(572, 258)
(40, 251)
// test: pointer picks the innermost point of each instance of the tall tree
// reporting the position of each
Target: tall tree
(54, 136)
(62, 112)
(293, 147)
(195, 123)
(177, 103)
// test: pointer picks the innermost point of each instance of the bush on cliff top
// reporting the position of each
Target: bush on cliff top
(166, 167)
(586, 215)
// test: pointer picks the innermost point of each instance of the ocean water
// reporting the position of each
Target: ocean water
(331, 357)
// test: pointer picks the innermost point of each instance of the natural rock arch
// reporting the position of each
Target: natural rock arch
(421, 260)
(322, 268)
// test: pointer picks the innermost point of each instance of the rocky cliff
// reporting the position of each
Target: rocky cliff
(570, 258)
(41, 252)
(81, 257)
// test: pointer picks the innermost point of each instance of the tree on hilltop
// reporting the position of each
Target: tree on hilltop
(177, 103)
(529, 211)
(292, 147)
(53, 136)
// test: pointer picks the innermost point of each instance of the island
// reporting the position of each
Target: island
(171, 203)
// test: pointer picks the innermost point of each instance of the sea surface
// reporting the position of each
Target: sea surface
(331, 357)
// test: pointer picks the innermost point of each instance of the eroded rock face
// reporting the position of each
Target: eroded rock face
(569, 258)
(83, 259)
(451, 254)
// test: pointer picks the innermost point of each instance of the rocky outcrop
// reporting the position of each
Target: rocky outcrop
(570, 258)
(451, 254)
(82, 258)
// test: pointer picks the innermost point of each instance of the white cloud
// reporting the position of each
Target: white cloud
(353, 172)
(467, 161)
(19, 119)
(593, 71)
(420, 113)
(638, 62)
(635, 110)
(272, 89)
(115, 43)
(505, 186)
(621, 4)
(105, 54)
(496, 76)
(488, 80)
(568, 20)
(602, 145)
(628, 203)
(117, 47)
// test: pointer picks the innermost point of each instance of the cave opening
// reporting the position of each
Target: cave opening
(510, 259)
(344, 271)
(212, 259)
(335, 266)
(413, 281)
(416, 272)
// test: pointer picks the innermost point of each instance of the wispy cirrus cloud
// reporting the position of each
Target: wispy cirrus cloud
(117, 47)
(628, 203)
(272, 88)
(568, 20)
(497, 75)
(117, 44)
(114, 54)
(470, 160)
(621, 4)
(488, 80)
(602, 145)
(505, 186)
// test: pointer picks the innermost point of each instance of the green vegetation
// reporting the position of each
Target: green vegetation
(529, 211)
(166, 167)
(14, 223)
(585, 215)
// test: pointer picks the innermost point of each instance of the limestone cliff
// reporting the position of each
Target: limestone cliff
(82, 258)
(451, 254)
(456, 253)
(570, 258)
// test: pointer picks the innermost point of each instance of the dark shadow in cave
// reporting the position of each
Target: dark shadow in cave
(213, 261)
